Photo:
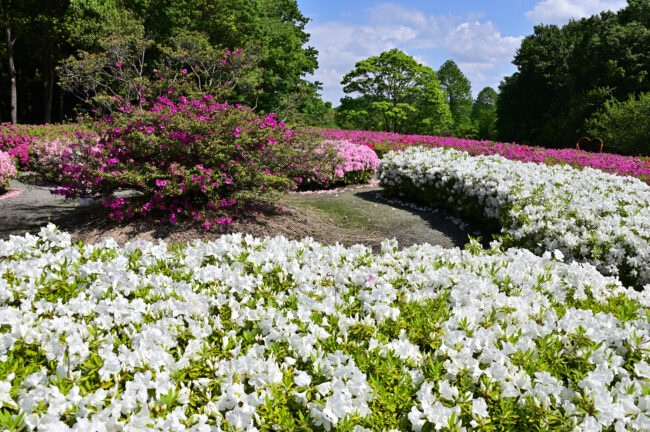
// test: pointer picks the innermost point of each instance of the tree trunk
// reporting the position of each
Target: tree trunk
(60, 104)
(12, 66)
(49, 90)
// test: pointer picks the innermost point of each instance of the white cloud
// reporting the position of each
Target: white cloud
(431, 39)
(561, 11)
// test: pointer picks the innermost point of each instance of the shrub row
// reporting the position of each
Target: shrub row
(590, 216)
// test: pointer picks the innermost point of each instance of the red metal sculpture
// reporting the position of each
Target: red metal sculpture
(590, 140)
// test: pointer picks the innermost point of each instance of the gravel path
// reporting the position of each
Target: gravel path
(408, 223)
(33, 207)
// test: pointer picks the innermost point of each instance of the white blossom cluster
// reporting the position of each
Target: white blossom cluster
(249, 334)
(589, 215)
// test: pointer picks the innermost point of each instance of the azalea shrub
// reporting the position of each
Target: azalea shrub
(7, 170)
(15, 144)
(590, 216)
(245, 334)
(359, 162)
(348, 163)
(192, 158)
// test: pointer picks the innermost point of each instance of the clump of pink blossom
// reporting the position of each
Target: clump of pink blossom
(49, 154)
(7, 170)
(352, 164)
(355, 157)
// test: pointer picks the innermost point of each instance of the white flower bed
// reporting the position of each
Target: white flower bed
(589, 215)
(249, 334)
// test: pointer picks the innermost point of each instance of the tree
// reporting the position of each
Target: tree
(484, 113)
(458, 91)
(397, 94)
(118, 73)
(275, 29)
(565, 74)
(53, 30)
(10, 59)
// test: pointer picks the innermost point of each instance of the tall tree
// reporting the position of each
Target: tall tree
(10, 41)
(484, 112)
(458, 91)
(398, 94)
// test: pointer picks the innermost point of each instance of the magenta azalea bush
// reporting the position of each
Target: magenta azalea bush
(7, 170)
(15, 144)
(187, 158)
(383, 142)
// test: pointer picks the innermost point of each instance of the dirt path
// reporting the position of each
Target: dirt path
(356, 215)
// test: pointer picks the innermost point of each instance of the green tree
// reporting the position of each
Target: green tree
(458, 91)
(484, 113)
(397, 94)
(45, 32)
(190, 66)
(275, 29)
(565, 74)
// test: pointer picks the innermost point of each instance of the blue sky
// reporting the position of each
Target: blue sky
(481, 36)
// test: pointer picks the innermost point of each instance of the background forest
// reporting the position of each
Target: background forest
(589, 77)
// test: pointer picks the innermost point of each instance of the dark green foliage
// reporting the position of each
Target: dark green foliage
(397, 94)
(566, 74)
(624, 126)
(274, 27)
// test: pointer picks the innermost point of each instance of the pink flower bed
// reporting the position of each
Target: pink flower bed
(607, 162)
(28, 144)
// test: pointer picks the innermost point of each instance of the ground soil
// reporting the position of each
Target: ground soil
(353, 215)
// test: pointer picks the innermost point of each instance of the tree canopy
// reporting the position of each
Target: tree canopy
(484, 113)
(396, 94)
(565, 74)
(458, 91)
(50, 31)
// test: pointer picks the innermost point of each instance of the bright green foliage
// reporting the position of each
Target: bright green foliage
(566, 74)
(275, 27)
(624, 126)
(189, 66)
(397, 94)
(458, 91)
(50, 31)
(484, 113)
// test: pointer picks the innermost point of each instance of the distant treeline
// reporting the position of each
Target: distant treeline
(587, 77)
(43, 34)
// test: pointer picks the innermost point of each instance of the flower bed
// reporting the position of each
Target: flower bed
(383, 142)
(242, 333)
(588, 215)
(19, 140)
